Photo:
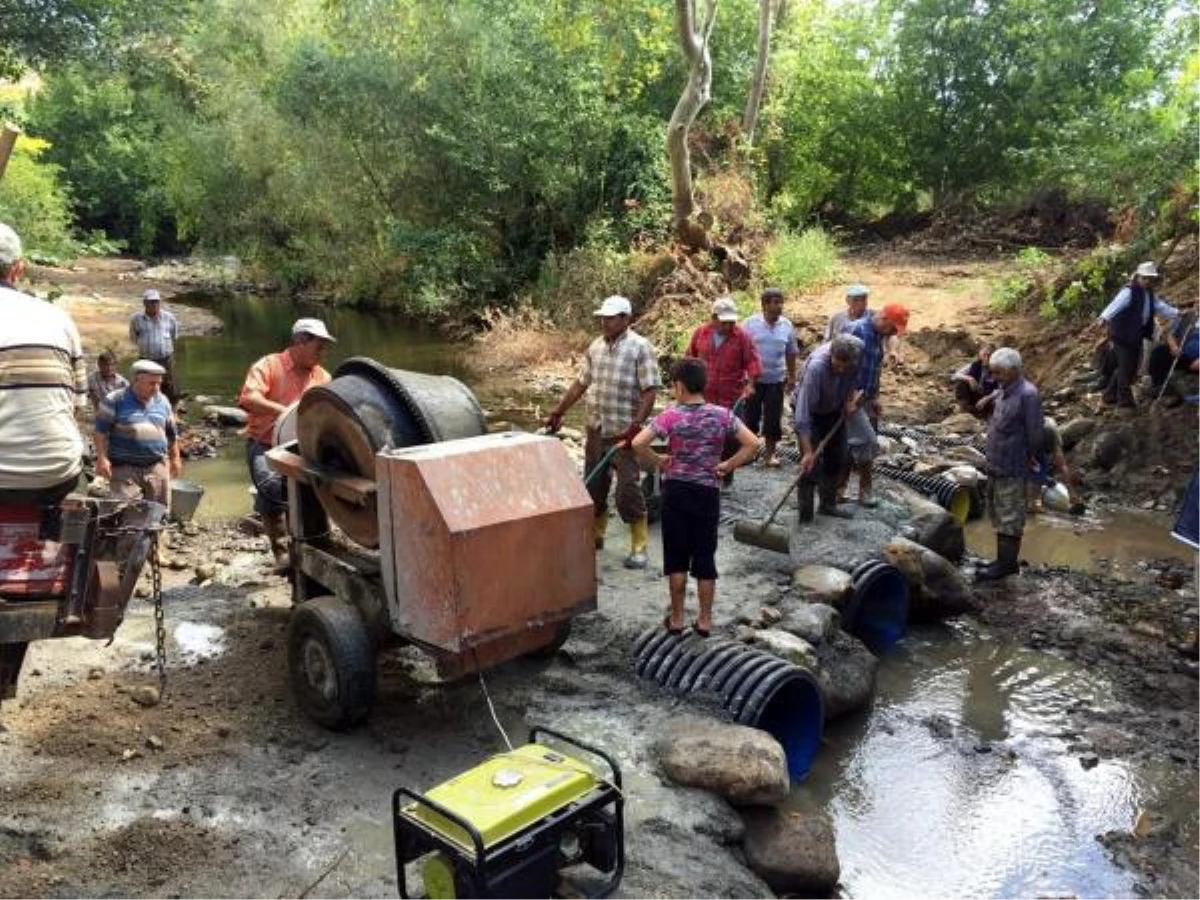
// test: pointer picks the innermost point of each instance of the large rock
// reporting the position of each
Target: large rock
(230, 416)
(1108, 448)
(794, 852)
(1075, 431)
(823, 584)
(940, 532)
(817, 623)
(786, 645)
(936, 588)
(846, 675)
(744, 765)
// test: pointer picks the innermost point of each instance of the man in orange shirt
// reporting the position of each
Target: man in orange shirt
(273, 384)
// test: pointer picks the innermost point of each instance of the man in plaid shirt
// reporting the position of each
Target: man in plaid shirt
(622, 369)
(729, 352)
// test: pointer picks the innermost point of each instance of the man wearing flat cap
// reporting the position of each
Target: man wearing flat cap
(42, 382)
(620, 377)
(1129, 320)
(137, 440)
(273, 384)
(731, 357)
(154, 332)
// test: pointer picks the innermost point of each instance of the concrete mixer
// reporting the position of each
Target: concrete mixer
(411, 524)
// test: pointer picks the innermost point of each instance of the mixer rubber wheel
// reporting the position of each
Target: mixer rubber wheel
(331, 661)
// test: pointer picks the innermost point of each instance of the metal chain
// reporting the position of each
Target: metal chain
(160, 631)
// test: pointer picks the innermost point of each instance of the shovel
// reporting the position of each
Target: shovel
(765, 534)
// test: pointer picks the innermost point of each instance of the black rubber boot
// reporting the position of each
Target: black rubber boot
(807, 492)
(1008, 548)
(828, 505)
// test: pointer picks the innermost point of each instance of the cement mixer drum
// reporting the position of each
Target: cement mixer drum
(367, 408)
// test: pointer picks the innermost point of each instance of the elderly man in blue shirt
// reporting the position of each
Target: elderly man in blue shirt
(1130, 322)
(775, 338)
(825, 397)
(1014, 439)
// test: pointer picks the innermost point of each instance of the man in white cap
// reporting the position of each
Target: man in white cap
(623, 368)
(43, 381)
(273, 384)
(1129, 318)
(154, 332)
(137, 440)
(857, 296)
(731, 357)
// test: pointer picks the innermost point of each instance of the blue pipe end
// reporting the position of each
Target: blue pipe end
(881, 617)
(795, 716)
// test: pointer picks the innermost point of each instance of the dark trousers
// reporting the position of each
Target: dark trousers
(170, 383)
(1120, 384)
(1161, 361)
(829, 465)
(765, 409)
(691, 517)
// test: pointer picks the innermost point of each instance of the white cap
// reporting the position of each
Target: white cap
(151, 294)
(146, 367)
(315, 327)
(10, 246)
(1147, 270)
(615, 306)
(725, 309)
(857, 290)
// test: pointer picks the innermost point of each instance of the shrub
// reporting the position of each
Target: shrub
(34, 202)
(1027, 285)
(796, 262)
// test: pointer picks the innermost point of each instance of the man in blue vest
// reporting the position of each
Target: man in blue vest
(1130, 321)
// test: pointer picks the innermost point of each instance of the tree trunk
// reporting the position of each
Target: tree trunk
(695, 94)
(758, 82)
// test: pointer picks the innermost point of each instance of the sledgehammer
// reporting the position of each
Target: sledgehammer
(776, 537)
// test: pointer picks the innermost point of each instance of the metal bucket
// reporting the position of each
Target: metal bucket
(185, 497)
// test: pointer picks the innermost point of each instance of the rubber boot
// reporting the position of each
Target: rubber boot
(639, 538)
(599, 527)
(807, 492)
(1008, 548)
(828, 505)
(275, 528)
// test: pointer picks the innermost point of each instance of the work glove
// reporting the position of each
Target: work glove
(630, 433)
(553, 422)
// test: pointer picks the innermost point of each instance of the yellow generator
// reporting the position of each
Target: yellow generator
(513, 824)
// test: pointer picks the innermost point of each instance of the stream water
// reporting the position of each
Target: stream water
(959, 782)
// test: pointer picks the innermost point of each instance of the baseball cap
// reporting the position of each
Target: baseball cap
(1147, 270)
(146, 367)
(151, 294)
(10, 246)
(897, 314)
(725, 309)
(857, 290)
(615, 306)
(315, 327)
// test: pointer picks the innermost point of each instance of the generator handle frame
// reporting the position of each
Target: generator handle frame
(614, 770)
(476, 837)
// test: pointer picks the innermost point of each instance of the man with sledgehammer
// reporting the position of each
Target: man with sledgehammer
(826, 396)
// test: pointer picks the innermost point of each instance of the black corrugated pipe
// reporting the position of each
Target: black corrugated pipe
(753, 687)
(950, 495)
(877, 612)
(900, 431)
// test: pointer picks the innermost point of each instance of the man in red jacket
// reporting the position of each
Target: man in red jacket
(729, 353)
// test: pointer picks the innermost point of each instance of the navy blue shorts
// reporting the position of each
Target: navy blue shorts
(690, 516)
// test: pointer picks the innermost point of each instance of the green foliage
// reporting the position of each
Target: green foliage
(1094, 280)
(796, 262)
(1027, 284)
(35, 204)
(571, 283)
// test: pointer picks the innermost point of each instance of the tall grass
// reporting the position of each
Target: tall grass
(796, 262)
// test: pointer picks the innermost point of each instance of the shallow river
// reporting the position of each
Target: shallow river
(1006, 811)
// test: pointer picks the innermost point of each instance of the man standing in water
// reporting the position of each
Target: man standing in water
(1014, 439)
(621, 369)
(273, 384)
